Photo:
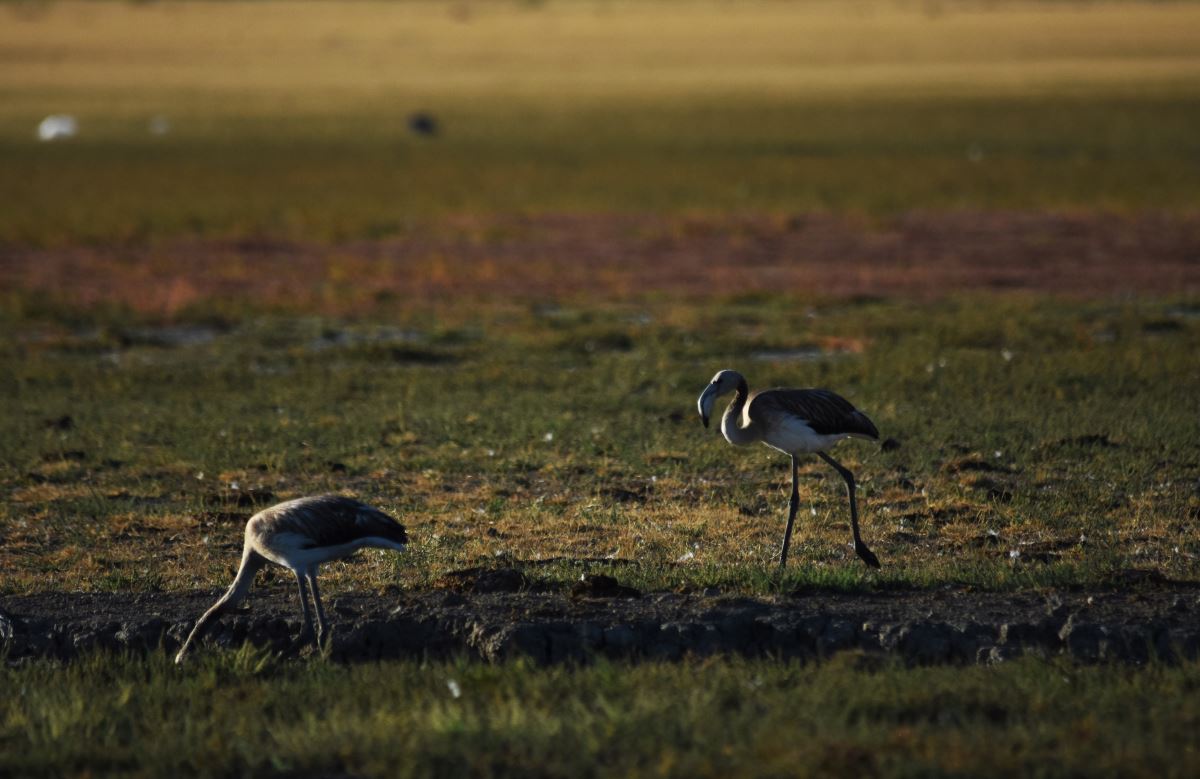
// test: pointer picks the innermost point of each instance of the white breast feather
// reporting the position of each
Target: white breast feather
(794, 436)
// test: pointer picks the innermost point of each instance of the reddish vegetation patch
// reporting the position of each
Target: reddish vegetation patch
(613, 256)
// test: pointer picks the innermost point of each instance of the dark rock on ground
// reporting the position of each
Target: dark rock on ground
(599, 585)
(484, 580)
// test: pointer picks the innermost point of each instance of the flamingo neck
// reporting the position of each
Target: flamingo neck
(734, 426)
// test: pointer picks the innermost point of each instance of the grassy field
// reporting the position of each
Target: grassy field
(1065, 432)
(564, 427)
(289, 292)
(247, 715)
(291, 120)
(360, 174)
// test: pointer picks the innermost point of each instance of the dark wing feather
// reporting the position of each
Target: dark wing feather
(374, 522)
(333, 520)
(827, 413)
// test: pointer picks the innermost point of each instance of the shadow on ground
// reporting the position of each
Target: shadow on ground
(497, 615)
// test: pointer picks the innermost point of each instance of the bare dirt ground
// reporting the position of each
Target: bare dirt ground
(496, 615)
(615, 256)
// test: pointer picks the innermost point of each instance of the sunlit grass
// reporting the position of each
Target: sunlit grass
(291, 119)
(1043, 442)
(579, 51)
(360, 175)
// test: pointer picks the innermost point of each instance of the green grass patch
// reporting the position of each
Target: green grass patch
(1043, 442)
(246, 713)
(361, 175)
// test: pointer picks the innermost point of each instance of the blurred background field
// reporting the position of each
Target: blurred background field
(293, 119)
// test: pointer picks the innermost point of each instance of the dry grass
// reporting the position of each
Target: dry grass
(291, 120)
(1044, 442)
(326, 52)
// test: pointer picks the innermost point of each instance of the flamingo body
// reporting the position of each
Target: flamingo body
(300, 535)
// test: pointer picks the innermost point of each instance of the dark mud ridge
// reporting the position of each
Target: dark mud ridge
(1158, 620)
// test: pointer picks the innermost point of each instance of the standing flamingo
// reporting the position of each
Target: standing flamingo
(794, 421)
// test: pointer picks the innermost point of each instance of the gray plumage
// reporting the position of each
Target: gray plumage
(827, 413)
(329, 520)
(300, 535)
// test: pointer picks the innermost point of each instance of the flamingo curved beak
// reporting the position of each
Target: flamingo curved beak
(705, 403)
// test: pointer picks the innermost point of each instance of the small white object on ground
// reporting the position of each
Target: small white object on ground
(56, 126)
